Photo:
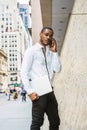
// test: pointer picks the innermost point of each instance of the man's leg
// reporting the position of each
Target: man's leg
(38, 109)
(9, 97)
(52, 112)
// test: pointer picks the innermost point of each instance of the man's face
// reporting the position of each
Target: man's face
(46, 37)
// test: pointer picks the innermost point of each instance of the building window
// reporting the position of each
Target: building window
(6, 29)
(7, 7)
(2, 19)
(1, 26)
(10, 68)
(10, 29)
(6, 19)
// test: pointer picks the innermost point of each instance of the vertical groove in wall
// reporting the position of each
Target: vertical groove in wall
(46, 9)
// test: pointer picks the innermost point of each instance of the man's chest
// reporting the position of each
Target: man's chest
(41, 58)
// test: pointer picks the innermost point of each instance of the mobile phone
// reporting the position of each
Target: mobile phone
(50, 43)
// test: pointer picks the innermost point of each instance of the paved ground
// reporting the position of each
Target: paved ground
(14, 115)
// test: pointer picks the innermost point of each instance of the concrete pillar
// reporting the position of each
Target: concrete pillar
(41, 16)
(71, 83)
(37, 23)
(46, 8)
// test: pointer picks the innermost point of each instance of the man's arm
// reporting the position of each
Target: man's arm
(25, 74)
(25, 71)
(55, 60)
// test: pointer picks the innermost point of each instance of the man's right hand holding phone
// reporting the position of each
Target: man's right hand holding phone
(53, 45)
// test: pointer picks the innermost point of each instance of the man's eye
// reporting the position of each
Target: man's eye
(46, 35)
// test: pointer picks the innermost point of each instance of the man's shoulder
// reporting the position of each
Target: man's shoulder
(29, 49)
(34, 46)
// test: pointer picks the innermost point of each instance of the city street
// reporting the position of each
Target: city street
(14, 115)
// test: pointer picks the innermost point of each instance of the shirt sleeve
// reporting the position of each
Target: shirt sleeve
(56, 62)
(25, 71)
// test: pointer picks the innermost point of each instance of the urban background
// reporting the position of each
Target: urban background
(68, 18)
(15, 38)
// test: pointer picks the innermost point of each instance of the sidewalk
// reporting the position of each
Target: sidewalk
(15, 115)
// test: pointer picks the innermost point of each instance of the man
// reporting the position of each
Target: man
(23, 94)
(39, 60)
(8, 92)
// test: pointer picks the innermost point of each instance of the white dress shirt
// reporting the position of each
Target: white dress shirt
(34, 66)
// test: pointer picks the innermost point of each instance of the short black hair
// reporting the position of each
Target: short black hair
(44, 28)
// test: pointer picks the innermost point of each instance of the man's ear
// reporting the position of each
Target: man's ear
(40, 34)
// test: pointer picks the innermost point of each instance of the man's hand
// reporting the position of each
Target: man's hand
(53, 46)
(33, 96)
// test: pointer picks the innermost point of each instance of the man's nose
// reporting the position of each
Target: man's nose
(48, 37)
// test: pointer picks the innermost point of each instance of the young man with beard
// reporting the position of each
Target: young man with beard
(42, 59)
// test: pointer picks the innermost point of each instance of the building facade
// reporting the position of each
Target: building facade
(25, 13)
(13, 38)
(3, 70)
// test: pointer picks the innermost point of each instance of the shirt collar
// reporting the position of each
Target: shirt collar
(40, 46)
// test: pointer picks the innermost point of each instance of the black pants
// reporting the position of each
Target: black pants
(45, 104)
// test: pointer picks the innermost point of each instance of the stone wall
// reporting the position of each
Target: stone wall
(71, 83)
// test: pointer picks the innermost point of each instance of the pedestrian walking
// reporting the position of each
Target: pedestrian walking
(15, 94)
(8, 92)
(23, 94)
